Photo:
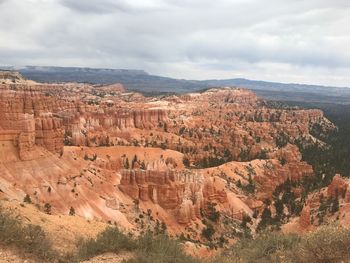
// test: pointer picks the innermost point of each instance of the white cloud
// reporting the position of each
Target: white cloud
(280, 40)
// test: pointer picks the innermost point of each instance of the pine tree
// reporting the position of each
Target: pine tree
(126, 163)
(134, 160)
(335, 205)
(71, 211)
(279, 208)
(47, 208)
(27, 199)
(186, 161)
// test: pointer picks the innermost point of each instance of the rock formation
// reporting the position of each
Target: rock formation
(26, 123)
(113, 155)
(305, 217)
(337, 188)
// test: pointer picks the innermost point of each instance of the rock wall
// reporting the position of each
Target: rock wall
(160, 187)
(26, 121)
(47, 112)
(183, 192)
(92, 128)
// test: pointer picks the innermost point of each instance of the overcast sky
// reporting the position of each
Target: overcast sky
(304, 41)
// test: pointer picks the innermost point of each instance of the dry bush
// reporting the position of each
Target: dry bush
(327, 244)
(27, 238)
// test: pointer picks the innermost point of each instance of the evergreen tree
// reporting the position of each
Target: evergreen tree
(27, 199)
(134, 160)
(71, 211)
(186, 161)
(126, 163)
(335, 205)
(279, 208)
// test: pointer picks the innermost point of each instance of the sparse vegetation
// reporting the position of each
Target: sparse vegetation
(28, 238)
(212, 214)
(110, 240)
(327, 244)
(72, 211)
(160, 249)
(47, 208)
(208, 231)
(147, 248)
(186, 161)
(27, 199)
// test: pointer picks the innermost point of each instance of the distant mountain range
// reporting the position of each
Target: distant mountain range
(139, 80)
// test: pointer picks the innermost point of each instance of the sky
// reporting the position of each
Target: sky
(299, 41)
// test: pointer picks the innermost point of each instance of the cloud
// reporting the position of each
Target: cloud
(111, 6)
(292, 41)
(95, 6)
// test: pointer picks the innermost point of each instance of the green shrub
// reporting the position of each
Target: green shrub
(160, 249)
(27, 199)
(47, 208)
(208, 231)
(35, 241)
(72, 211)
(110, 240)
(328, 244)
(28, 238)
(213, 214)
(267, 247)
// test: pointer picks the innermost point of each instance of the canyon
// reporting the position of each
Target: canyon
(183, 163)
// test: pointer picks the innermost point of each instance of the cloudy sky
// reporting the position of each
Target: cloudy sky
(277, 40)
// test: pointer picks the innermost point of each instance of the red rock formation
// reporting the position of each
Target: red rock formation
(338, 187)
(211, 193)
(219, 126)
(26, 122)
(229, 95)
(161, 187)
(305, 217)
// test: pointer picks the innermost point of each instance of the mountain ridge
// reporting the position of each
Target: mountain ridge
(141, 81)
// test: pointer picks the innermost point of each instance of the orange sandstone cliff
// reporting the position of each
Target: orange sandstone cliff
(182, 160)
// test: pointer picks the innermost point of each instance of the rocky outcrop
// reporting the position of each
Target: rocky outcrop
(212, 193)
(26, 122)
(93, 128)
(182, 192)
(185, 193)
(229, 95)
(305, 217)
(8, 76)
(338, 187)
(53, 114)
(49, 132)
(160, 187)
(233, 139)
